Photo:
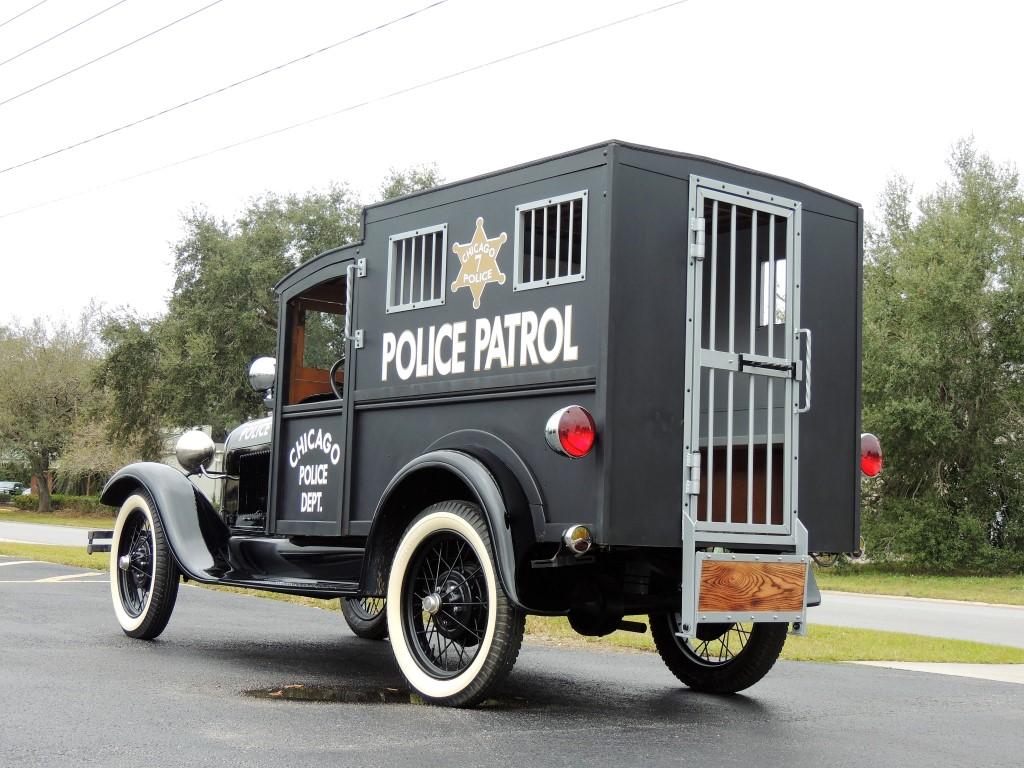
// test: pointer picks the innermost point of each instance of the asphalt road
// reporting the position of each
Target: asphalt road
(75, 691)
(999, 624)
(30, 533)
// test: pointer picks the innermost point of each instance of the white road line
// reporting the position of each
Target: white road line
(50, 581)
(939, 600)
(1003, 673)
(20, 562)
(66, 577)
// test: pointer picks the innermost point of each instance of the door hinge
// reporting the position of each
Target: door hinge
(361, 267)
(693, 473)
(357, 339)
(697, 246)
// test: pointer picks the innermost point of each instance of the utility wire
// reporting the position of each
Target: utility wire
(222, 89)
(349, 108)
(62, 32)
(19, 15)
(109, 53)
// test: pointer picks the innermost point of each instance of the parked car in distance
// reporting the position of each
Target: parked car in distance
(12, 488)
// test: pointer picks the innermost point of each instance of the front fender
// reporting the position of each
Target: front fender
(195, 532)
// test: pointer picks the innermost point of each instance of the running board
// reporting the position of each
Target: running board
(301, 587)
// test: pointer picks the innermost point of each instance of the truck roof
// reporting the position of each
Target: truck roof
(611, 143)
(401, 204)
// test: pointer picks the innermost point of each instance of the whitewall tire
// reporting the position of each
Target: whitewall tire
(453, 630)
(143, 574)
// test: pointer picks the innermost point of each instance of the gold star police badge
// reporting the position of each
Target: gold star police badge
(479, 259)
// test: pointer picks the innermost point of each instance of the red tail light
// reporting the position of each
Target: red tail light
(571, 431)
(870, 455)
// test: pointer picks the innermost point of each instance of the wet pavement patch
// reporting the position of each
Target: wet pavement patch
(348, 694)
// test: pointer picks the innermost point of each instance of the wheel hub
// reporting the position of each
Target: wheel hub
(135, 576)
(432, 603)
(453, 610)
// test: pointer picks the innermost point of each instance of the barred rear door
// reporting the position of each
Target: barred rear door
(745, 381)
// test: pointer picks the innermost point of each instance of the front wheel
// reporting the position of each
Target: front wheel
(143, 574)
(722, 658)
(453, 630)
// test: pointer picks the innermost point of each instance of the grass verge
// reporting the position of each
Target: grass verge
(68, 518)
(821, 644)
(75, 556)
(877, 581)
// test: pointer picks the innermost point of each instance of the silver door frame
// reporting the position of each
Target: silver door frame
(702, 189)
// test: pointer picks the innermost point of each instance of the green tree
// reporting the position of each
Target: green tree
(47, 383)
(943, 382)
(191, 363)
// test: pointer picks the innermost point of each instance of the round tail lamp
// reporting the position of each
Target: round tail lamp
(870, 455)
(571, 432)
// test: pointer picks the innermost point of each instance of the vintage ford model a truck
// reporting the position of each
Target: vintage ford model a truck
(580, 386)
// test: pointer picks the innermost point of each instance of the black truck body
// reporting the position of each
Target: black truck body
(671, 297)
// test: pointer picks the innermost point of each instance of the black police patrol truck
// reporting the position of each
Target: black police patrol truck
(580, 386)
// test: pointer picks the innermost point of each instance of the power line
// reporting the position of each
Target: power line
(62, 32)
(109, 53)
(222, 89)
(349, 108)
(19, 15)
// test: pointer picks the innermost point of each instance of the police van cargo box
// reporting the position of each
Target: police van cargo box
(488, 304)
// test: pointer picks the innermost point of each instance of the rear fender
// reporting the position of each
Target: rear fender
(467, 477)
(196, 535)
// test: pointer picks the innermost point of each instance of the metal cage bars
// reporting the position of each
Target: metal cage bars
(416, 268)
(770, 228)
(551, 241)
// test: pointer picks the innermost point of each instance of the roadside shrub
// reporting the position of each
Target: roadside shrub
(4, 498)
(82, 505)
(926, 535)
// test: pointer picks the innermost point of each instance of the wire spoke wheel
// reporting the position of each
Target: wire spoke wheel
(369, 608)
(446, 603)
(454, 632)
(718, 643)
(143, 573)
(720, 657)
(366, 616)
(135, 563)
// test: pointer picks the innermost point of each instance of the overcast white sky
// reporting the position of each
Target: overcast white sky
(837, 95)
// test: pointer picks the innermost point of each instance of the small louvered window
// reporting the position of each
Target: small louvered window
(416, 268)
(551, 241)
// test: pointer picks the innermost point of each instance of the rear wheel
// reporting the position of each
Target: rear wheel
(454, 632)
(366, 616)
(143, 574)
(722, 658)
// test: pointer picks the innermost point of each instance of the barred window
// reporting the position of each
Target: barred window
(416, 268)
(551, 241)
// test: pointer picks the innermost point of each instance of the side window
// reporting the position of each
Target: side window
(416, 268)
(316, 338)
(551, 241)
